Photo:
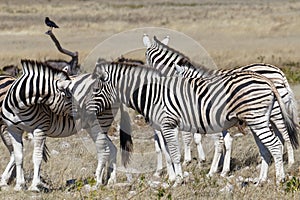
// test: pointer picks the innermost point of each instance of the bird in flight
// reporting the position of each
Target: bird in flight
(50, 23)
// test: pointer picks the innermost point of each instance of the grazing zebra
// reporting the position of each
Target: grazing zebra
(169, 104)
(40, 109)
(172, 62)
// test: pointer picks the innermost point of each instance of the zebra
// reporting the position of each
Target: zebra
(5, 83)
(221, 101)
(45, 110)
(172, 62)
(159, 60)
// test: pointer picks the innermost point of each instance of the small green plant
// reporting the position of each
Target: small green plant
(162, 193)
(292, 185)
(292, 71)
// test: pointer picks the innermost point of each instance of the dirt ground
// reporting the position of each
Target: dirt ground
(233, 33)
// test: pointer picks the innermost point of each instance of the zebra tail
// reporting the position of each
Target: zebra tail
(125, 137)
(46, 153)
(292, 105)
(289, 119)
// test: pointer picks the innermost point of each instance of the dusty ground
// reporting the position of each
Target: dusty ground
(232, 32)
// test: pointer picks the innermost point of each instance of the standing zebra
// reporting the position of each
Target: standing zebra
(39, 108)
(172, 62)
(169, 104)
(5, 83)
(22, 108)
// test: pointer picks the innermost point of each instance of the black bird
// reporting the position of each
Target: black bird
(50, 23)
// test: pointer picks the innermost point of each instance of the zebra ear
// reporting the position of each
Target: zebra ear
(166, 40)
(66, 68)
(146, 41)
(63, 85)
(100, 73)
(179, 69)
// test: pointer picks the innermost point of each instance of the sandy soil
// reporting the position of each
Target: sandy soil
(233, 32)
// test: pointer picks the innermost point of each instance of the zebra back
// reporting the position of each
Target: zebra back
(143, 89)
(159, 52)
(39, 83)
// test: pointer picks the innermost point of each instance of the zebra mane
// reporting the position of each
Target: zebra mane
(122, 59)
(103, 62)
(33, 65)
(184, 61)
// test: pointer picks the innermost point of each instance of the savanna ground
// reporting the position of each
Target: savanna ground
(234, 33)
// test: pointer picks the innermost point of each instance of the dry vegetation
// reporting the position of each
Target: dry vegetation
(234, 32)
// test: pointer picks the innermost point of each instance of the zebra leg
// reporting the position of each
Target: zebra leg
(201, 154)
(274, 146)
(17, 143)
(37, 156)
(10, 166)
(219, 142)
(171, 136)
(103, 152)
(165, 150)
(8, 170)
(290, 151)
(228, 149)
(187, 140)
(158, 150)
(276, 125)
(112, 167)
(266, 159)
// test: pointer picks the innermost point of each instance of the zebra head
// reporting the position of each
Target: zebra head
(60, 102)
(103, 93)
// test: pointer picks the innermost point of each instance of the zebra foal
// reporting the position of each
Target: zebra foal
(195, 105)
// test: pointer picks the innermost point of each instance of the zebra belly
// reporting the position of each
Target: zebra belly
(61, 126)
(197, 128)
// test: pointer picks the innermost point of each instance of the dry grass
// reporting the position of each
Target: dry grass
(233, 32)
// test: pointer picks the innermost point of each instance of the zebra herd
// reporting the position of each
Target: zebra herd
(170, 91)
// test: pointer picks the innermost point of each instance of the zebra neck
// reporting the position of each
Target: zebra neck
(81, 85)
(131, 85)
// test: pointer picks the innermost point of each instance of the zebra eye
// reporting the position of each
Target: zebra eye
(96, 90)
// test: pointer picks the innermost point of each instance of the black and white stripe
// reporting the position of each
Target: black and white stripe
(196, 105)
(36, 102)
(172, 62)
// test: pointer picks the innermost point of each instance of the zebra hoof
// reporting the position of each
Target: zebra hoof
(4, 187)
(19, 188)
(179, 181)
(186, 163)
(259, 182)
(111, 182)
(158, 174)
(34, 189)
(224, 174)
(3, 184)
